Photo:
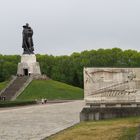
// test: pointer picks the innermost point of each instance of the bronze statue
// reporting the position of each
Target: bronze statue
(27, 43)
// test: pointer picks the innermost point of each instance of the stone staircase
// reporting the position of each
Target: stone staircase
(15, 87)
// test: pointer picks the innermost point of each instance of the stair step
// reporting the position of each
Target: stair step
(14, 87)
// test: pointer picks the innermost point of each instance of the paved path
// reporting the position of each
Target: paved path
(37, 122)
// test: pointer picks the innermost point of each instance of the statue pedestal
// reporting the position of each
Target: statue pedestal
(97, 113)
(111, 93)
(28, 65)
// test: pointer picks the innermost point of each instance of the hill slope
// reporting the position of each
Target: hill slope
(50, 89)
(3, 85)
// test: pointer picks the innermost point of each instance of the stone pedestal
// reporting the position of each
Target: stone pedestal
(110, 93)
(28, 65)
(88, 114)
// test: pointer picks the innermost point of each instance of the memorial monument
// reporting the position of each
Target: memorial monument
(111, 92)
(28, 64)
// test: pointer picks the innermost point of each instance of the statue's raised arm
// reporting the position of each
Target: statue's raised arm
(27, 43)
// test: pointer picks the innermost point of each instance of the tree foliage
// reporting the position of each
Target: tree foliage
(69, 69)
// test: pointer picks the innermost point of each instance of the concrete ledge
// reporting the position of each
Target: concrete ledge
(88, 113)
(114, 104)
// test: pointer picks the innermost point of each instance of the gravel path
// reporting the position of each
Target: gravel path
(37, 122)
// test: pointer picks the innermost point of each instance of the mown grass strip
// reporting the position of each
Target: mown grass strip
(129, 133)
(15, 103)
(113, 129)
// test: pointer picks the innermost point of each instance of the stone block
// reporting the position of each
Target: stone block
(88, 114)
(111, 86)
(28, 65)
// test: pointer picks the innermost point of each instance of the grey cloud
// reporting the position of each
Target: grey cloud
(65, 26)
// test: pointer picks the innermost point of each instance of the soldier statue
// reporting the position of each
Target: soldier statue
(27, 43)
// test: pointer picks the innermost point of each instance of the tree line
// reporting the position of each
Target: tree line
(69, 69)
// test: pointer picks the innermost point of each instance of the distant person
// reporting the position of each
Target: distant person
(42, 100)
(45, 100)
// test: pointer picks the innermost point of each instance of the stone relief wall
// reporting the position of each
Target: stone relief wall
(111, 85)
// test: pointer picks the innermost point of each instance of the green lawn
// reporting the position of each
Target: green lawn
(50, 89)
(114, 129)
(3, 85)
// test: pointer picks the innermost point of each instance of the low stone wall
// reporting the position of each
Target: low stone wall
(88, 113)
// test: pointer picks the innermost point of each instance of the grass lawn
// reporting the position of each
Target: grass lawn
(3, 85)
(113, 129)
(50, 89)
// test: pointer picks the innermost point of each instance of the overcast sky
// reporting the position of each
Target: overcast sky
(62, 27)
